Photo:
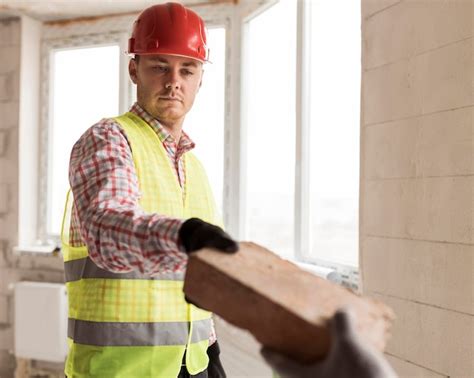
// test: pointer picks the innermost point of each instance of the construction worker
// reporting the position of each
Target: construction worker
(349, 356)
(140, 203)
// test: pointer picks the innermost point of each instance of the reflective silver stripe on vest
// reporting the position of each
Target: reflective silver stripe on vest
(86, 268)
(136, 334)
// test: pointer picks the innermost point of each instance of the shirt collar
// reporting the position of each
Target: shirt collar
(185, 143)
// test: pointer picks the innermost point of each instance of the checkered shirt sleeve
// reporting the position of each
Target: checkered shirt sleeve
(119, 235)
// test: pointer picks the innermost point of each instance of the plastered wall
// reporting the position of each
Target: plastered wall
(417, 252)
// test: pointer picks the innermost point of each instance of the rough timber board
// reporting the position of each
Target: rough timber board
(284, 307)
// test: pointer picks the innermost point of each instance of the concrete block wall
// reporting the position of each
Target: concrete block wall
(13, 268)
(417, 177)
(9, 110)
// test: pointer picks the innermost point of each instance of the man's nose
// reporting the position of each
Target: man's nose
(173, 81)
(172, 85)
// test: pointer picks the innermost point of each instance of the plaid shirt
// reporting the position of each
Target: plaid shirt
(107, 217)
(119, 235)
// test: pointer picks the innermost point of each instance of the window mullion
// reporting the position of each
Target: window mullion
(235, 163)
(125, 82)
(302, 177)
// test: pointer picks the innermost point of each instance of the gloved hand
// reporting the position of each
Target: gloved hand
(196, 234)
(349, 356)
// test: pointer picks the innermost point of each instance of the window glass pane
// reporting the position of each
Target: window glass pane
(270, 99)
(85, 89)
(205, 122)
(335, 128)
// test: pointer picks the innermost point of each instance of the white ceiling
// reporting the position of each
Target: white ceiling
(65, 9)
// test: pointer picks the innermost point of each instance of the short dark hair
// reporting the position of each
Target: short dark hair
(136, 58)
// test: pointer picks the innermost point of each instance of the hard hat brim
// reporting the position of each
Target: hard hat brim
(166, 53)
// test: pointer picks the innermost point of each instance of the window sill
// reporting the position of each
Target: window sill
(320, 271)
(37, 250)
(344, 275)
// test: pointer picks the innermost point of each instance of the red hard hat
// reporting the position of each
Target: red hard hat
(169, 29)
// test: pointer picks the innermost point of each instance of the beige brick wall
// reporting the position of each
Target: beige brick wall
(13, 268)
(417, 178)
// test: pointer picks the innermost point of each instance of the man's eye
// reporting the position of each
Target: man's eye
(187, 72)
(159, 68)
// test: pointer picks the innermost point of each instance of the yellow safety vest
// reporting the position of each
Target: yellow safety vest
(128, 324)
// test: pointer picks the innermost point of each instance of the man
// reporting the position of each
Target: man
(141, 203)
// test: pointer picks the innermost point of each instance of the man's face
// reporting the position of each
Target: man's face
(166, 85)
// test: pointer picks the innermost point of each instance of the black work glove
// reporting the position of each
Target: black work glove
(196, 234)
(215, 368)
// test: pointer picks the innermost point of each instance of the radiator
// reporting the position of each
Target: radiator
(40, 321)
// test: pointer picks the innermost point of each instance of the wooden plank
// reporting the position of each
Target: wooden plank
(284, 307)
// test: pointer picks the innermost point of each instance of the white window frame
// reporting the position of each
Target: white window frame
(348, 275)
(49, 48)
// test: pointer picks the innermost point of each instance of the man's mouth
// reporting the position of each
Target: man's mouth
(165, 98)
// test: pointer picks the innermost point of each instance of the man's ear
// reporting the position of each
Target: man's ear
(132, 70)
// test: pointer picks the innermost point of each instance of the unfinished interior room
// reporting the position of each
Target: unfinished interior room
(236, 188)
